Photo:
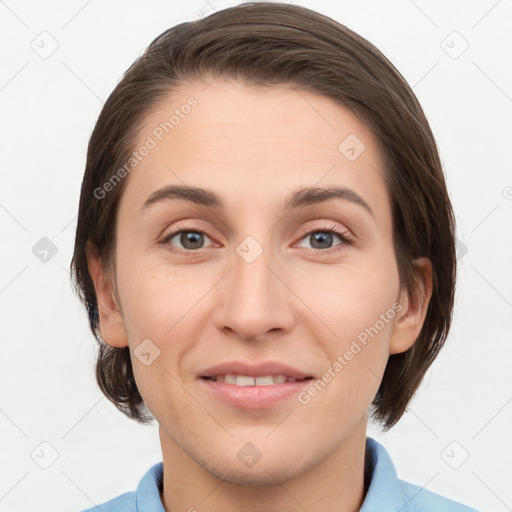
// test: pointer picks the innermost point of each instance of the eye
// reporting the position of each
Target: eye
(188, 240)
(322, 238)
(191, 240)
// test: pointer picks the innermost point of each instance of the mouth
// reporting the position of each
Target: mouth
(248, 386)
(248, 380)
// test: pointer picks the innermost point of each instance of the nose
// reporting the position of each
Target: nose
(256, 298)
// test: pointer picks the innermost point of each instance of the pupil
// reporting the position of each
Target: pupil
(319, 238)
(191, 239)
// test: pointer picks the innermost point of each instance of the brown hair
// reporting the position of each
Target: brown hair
(265, 44)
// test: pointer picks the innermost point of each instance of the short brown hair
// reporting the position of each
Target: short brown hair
(265, 44)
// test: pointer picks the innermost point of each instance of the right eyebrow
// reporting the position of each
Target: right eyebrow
(195, 195)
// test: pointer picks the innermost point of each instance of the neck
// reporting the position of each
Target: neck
(337, 483)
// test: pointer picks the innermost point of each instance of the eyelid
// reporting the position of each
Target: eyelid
(187, 226)
(347, 239)
(326, 226)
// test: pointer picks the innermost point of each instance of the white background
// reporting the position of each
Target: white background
(49, 107)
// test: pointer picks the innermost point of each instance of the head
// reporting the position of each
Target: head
(253, 104)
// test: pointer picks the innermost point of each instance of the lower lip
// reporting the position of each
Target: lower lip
(254, 397)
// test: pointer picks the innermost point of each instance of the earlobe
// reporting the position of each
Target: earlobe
(111, 323)
(409, 321)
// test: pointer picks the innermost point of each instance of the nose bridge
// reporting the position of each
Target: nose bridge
(255, 301)
(252, 277)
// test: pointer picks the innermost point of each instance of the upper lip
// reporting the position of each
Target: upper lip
(253, 370)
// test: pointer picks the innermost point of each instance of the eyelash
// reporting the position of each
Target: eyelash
(345, 238)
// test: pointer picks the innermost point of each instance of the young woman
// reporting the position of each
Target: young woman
(265, 247)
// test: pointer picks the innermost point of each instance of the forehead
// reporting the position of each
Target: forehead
(257, 141)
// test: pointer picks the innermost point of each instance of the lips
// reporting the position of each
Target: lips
(247, 380)
(265, 369)
(253, 386)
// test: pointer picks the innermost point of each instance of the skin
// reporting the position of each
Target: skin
(295, 303)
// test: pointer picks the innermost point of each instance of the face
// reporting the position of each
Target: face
(264, 278)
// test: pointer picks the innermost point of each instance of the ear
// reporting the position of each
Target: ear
(111, 321)
(409, 320)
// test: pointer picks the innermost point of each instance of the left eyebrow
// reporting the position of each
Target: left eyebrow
(316, 195)
(297, 199)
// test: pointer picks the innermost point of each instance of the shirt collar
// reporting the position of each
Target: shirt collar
(384, 492)
(384, 485)
(148, 490)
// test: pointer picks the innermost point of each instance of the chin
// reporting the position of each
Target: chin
(260, 475)
(273, 465)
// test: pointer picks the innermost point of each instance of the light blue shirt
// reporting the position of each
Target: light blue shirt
(387, 493)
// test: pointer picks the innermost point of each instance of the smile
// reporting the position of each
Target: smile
(247, 380)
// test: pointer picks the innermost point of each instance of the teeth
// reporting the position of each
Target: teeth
(264, 381)
(229, 378)
(247, 380)
(244, 380)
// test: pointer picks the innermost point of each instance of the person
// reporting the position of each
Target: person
(265, 249)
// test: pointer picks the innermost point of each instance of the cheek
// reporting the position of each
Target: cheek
(160, 305)
(350, 297)
(355, 309)
(166, 306)
(156, 296)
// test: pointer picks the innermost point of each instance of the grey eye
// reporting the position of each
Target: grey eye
(188, 239)
(321, 239)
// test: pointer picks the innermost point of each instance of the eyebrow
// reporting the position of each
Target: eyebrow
(297, 199)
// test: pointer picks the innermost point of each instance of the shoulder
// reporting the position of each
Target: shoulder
(127, 502)
(146, 497)
(388, 493)
(420, 499)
